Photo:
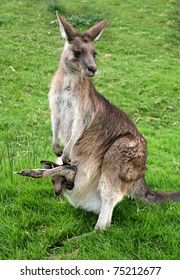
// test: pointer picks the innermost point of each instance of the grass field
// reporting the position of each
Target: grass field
(140, 75)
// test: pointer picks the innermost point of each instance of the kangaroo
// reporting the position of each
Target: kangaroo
(104, 156)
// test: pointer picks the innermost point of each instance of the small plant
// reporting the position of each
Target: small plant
(53, 6)
(86, 20)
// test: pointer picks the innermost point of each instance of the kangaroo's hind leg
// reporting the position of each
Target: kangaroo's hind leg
(123, 164)
(110, 196)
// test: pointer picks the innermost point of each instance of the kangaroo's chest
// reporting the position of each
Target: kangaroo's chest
(74, 111)
(67, 107)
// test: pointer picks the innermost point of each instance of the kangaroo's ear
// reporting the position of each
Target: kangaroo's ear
(95, 32)
(49, 164)
(67, 31)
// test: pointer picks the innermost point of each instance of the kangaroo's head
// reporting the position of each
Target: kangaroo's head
(79, 52)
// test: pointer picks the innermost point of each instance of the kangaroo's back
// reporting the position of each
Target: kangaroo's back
(108, 124)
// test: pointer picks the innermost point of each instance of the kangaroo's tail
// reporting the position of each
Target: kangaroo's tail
(141, 192)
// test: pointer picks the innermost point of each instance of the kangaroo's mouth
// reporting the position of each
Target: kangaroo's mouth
(89, 73)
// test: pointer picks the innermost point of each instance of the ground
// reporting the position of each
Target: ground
(139, 71)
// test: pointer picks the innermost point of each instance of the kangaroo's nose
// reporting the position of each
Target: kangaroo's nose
(92, 68)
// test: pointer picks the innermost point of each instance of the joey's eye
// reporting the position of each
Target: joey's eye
(95, 54)
(77, 54)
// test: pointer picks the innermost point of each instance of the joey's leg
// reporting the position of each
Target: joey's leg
(67, 171)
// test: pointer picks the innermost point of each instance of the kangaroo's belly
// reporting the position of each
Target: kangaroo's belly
(85, 193)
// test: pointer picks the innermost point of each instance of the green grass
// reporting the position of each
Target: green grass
(141, 76)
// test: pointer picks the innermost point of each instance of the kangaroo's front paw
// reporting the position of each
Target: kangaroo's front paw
(65, 158)
(57, 150)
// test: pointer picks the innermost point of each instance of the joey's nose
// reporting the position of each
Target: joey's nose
(57, 193)
(92, 69)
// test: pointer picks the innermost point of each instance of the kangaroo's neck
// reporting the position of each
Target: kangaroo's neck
(78, 85)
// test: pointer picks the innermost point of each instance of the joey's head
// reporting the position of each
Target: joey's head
(79, 52)
(62, 176)
(58, 181)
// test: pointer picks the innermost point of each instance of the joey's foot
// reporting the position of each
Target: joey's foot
(57, 150)
(69, 172)
(72, 167)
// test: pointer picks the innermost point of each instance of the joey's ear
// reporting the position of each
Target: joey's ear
(67, 31)
(95, 32)
(49, 164)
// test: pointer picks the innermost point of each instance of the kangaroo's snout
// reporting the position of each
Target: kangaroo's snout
(92, 69)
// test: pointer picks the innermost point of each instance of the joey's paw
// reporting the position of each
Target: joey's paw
(57, 150)
(70, 185)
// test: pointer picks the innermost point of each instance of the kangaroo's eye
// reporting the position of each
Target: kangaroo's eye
(77, 54)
